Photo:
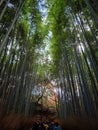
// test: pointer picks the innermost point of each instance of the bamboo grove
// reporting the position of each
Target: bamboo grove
(69, 29)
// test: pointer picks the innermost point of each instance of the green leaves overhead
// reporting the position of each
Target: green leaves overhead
(50, 39)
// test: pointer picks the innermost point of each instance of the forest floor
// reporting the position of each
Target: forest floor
(14, 122)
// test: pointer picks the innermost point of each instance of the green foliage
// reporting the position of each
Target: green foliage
(55, 41)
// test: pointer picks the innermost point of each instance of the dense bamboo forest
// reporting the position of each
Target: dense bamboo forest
(49, 57)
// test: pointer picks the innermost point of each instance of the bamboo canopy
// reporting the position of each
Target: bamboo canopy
(49, 57)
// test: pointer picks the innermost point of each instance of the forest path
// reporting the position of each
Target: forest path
(20, 122)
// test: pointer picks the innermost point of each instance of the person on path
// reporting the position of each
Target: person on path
(46, 126)
(57, 126)
(51, 126)
(41, 126)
